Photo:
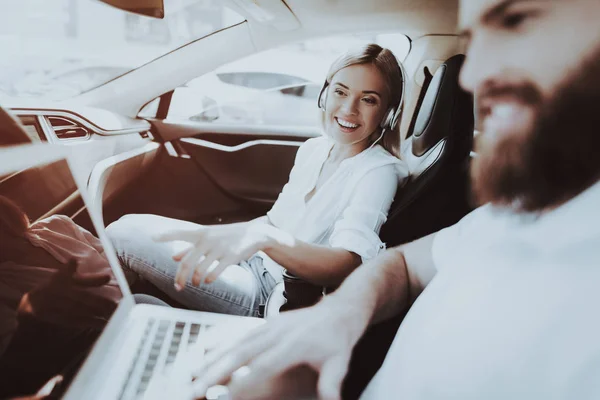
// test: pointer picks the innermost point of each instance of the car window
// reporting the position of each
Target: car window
(59, 49)
(260, 80)
(275, 87)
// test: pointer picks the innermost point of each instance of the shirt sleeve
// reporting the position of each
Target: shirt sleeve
(280, 208)
(358, 228)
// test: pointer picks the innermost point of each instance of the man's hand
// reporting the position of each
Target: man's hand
(296, 344)
(214, 248)
(320, 339)
(66, 299)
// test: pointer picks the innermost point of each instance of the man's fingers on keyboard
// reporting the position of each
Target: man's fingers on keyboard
(224, 342)
(220, 367)
(225, 337)
(214, 353)
(276, 360)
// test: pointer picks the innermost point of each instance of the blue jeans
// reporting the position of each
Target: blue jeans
(239, 290)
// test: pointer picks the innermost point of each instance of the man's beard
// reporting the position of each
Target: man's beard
(557, 159)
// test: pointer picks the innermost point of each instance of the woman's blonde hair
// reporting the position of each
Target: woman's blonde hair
(389, 67)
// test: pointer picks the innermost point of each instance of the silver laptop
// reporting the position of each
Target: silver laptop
(144, 351)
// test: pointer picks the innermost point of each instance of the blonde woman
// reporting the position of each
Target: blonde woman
(325, 222)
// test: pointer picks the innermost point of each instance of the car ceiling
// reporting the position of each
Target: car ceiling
(303, 19)
(294, 20)
(415, 16)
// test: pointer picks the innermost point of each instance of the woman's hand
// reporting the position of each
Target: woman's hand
(214, 248)
(320, 338)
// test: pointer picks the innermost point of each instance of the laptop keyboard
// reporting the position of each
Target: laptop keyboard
(157, 352)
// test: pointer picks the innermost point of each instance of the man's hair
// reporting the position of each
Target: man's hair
(387, 64)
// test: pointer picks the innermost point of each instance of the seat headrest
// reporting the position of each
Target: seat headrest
(446, 108)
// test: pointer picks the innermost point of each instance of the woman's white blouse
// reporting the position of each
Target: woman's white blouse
(348, 210)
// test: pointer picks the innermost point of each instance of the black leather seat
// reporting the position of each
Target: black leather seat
(436, 196)
(437, 154)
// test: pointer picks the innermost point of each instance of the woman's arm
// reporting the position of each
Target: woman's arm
(318, 264)
(216, 247)
(354, 237)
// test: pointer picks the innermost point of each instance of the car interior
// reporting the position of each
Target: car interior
(218, 171)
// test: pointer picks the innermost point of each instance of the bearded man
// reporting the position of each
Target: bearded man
(508, 299)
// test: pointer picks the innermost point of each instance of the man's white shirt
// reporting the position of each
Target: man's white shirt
(512, 313)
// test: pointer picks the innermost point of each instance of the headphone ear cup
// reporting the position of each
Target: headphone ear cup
(395, 117)
(388, 120)
(322, 99)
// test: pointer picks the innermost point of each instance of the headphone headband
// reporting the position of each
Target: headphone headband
(392, 116)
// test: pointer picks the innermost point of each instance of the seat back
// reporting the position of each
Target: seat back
(437, 154)
(436, 196)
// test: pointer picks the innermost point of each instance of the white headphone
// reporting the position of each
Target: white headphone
(392, 116)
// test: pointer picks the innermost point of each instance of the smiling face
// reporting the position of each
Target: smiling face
(534, 66)
(357, 99)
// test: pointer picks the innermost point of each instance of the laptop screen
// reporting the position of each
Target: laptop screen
(57, 290)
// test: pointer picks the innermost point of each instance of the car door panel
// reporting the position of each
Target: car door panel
(175, 187)
(168, 131)
(248, 163)
(211, 176)
(254, 171)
